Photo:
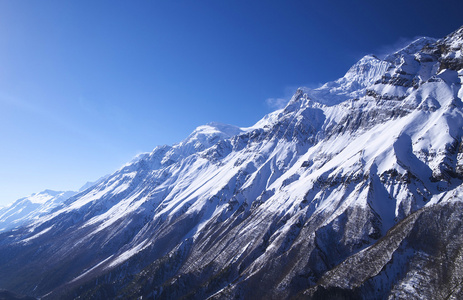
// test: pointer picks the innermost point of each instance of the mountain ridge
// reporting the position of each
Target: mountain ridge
(276, 210)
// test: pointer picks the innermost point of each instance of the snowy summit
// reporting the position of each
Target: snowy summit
(353, 190)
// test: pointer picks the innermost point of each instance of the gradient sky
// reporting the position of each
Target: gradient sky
(87, 85)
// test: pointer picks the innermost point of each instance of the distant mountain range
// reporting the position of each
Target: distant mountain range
(26, 209)
(352, 191)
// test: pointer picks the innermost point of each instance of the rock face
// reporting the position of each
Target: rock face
(419, 258)
(353, 190)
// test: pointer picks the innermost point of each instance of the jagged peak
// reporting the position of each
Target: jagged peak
(296, 99)
(457, 33)
(411, 48)
(365, 71)
(217, 127)
(365, 60)
(335, 176)
(206, 135)
(453, 42)
(352, 85)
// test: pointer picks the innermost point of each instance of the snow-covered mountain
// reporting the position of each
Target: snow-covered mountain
(26, 209)
(353, 190)
(30, 208)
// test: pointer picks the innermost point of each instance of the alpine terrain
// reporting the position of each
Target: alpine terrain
(353, 191)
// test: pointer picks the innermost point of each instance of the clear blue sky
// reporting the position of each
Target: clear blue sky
(86, 85)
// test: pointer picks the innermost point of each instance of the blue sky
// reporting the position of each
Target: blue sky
(87, 85)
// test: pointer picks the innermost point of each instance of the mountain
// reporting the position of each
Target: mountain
(30, 208)
(353, 190)
(25, 209)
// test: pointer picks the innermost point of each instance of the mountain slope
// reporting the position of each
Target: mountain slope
(25, 209)
(277, 210)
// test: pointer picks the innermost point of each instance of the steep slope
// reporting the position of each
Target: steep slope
(276, 210)
(420, 258)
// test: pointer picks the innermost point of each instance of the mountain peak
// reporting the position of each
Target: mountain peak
(216, 127)
(413, 47)
(352, 85)
(207, 135)
(283, 209)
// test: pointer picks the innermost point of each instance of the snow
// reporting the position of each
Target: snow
(90, 184)
(364, 73)
(351, 143)
(37, 235)
(411, 48)
(26, 209)
(115, 213)
(129, 253)
(91, 269)
(266, 121)
(206, 136)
